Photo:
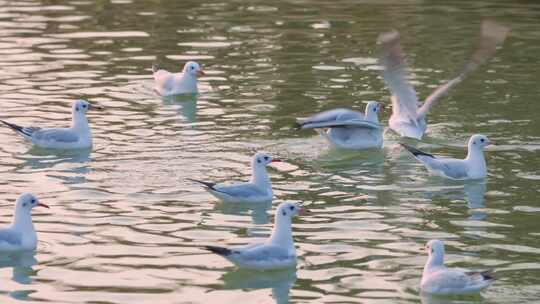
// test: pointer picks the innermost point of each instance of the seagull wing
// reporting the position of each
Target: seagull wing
(337, 118)
(164, 80)
(244, 190)
(10, 238)
(395, 73)
(264, 252)
(491, 36)
(58, 135)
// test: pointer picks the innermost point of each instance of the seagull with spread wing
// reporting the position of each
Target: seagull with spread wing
(408, 117)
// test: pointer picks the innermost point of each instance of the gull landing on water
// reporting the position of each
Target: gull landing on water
(440, 280)
(408, 118)
(167, 83)
(276, 252)
(21, 235)
(472, 167)
(257, 190)
(348, 129)
(78, 136)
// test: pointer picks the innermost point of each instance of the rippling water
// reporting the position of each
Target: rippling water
(125, 225)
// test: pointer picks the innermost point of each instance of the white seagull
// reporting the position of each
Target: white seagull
(348, 129)
(257, 190)
(408, 118)
(78, 136)
(21, 235)
(439, 280)
(276, 252)
(167, 83)
(472, 167)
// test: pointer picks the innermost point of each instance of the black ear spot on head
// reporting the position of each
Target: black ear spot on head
(284, 213)
(77, 109)
(258, 160)
(24, 204)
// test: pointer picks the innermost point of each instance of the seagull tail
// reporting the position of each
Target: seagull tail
(488, 275)
(415, 151)
(156, 67)
(17, 128)
(219, 250)
(206, 184)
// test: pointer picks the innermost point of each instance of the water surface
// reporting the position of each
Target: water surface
(126, 226)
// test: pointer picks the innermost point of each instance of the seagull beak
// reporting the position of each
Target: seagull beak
(200, 73)
(43, 205)
(381, 107)
(493, 142)
(276, 161)
(303, 211)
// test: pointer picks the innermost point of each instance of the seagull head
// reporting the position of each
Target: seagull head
(435, 249)
(82, 106)
(290, 210)
(26, 202)
(193, 68)
(262, 160)
(479, 141)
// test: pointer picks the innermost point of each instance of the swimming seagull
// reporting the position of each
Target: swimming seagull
(437, 279)
(348, 129)
(257, 190)
(78, 136)
(472, 167)
(276, 252)
(167, 83)
(21, 235)
(408, 118)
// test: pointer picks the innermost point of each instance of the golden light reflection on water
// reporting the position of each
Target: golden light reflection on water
(126, 226)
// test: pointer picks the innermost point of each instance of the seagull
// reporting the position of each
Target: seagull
(408, 118)
(439, 280)
(472, 167)
(21, 235)
(78, 136)
(168, 83)
(277, 252)
(257, 190)
(348, 129)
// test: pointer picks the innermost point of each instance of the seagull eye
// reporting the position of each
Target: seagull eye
(482, 140)
(291, 207)
(266, 158)
(84, 106)
(374, 109)
(33, 201)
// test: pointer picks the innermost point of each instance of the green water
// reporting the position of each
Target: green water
(126, 226)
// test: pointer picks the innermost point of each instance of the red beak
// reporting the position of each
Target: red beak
(381, 106)
(200, 73)
(43, 205)
(303, 211)
(276, 161)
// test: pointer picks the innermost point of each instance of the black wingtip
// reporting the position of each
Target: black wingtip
(219, 250)
(488, 275)
(206, 184)
(415, 151)
(15, 127)
(155, 67)
(297, 126)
